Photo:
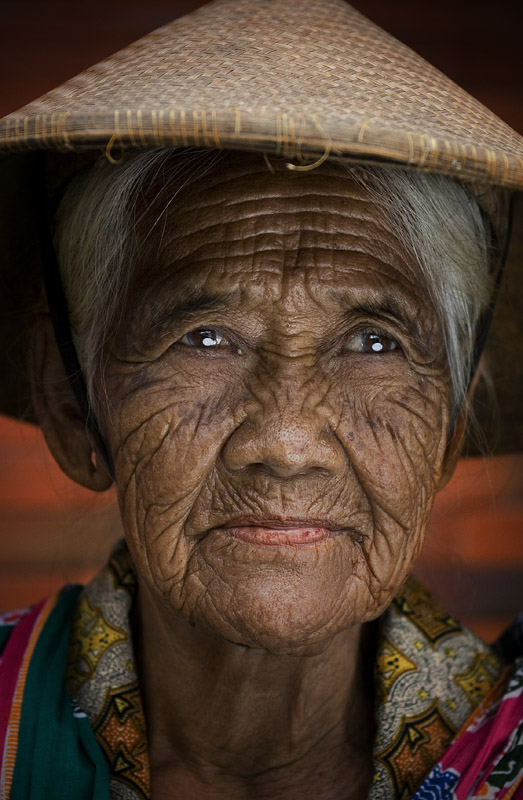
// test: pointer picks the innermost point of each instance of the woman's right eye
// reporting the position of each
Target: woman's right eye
(371, 342)
(204, 339)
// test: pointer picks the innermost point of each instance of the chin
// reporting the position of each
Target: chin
(279, 639)
(279, 619)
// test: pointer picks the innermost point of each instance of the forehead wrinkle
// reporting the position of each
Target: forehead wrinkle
(263, 236)
(244, 285)
(324, 181)
(194, 207)
(301, 285)
(323, 263)
(288, 273)
(318, 218)
(260, 236)
(310, 203)
(356, 261)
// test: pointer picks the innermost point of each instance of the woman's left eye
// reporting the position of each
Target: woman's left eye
(205, 339)
(370, 342)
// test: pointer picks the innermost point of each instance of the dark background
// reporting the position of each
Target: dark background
(51, 530)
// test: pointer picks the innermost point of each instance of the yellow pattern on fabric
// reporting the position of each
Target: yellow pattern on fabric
(91, 636)
(421, 707)
(477, 680)
(110, 696)
(428, 671)
(121, 567)
(391, 664)
(418, 605)
(416, 747)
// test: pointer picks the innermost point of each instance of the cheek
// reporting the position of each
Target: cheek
(393, 433)
(402, 431)
(396, 437)
(164, 450)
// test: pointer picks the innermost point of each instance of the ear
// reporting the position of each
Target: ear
(57, 411)
(454, 449)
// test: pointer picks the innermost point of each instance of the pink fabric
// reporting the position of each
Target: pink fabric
(486, 759)
(10, 664)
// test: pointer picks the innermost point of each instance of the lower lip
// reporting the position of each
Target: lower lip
(294, 537)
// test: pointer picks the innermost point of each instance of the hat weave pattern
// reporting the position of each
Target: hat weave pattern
(303, 79)
(296, 78)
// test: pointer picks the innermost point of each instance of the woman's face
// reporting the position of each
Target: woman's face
(278, 407)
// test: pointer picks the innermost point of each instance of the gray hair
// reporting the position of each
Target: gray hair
(97, 244)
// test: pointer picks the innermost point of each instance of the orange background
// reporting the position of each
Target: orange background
(52, 531)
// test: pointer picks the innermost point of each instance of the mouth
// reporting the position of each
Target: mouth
(277, 532)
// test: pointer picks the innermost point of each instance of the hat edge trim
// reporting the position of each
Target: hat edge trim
(303, 137)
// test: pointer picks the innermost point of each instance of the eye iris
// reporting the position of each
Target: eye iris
(203, 338)
(210, 338)
(376, 343)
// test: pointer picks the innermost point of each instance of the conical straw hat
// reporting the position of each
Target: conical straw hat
(304, 79)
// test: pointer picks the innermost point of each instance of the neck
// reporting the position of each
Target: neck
(249, 723)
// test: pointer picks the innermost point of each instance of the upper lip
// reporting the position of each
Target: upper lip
(283, 522)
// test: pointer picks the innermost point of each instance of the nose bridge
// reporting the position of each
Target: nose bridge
(289, 427)
(291, 390)
(287, 391)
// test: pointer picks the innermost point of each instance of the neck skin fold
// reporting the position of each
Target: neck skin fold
(247, 722)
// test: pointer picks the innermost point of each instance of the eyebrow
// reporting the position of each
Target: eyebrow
(190, 301)
(385, 306)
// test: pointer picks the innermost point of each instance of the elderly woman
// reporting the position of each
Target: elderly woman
(272, 352)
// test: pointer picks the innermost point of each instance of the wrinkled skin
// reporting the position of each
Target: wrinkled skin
(285, 420)
(292, 416)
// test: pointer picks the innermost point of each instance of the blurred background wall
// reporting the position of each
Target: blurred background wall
(52, 531)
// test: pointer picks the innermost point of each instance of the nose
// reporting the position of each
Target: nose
(286, 438)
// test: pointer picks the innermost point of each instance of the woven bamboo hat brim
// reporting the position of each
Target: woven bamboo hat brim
(303, 79)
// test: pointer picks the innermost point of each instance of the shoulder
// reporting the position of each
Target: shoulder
(486, 757)
(29, 636)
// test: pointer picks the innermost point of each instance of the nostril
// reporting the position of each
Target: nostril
(287, 448)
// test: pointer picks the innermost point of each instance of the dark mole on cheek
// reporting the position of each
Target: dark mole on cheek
(350, 436)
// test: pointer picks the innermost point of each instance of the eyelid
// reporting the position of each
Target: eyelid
(226, 343)
(366, 326)
(356, 338)
(203, 329)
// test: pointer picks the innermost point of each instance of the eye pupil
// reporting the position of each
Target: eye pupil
(203, 338)
(210, 338)
(377, 343)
